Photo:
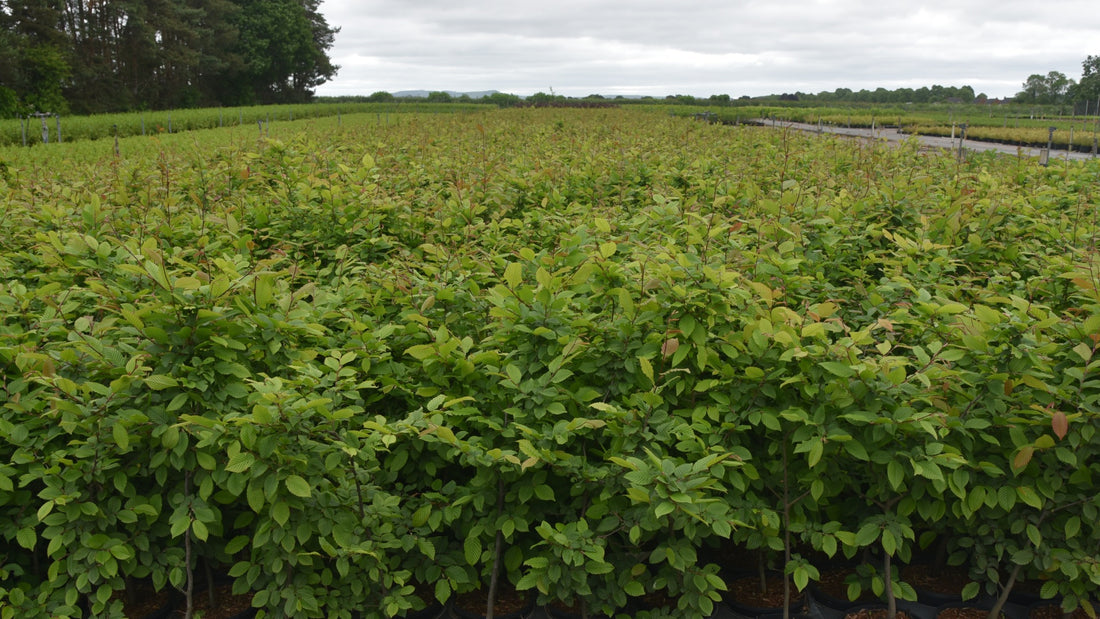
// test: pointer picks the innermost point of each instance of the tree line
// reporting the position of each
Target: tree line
(1056, 88)
(92, 56)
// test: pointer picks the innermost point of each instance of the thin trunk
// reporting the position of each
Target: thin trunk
(786, 536)
(1003, 598)
(497, 552)
(209, 583)
(891, 601)
(189, 591)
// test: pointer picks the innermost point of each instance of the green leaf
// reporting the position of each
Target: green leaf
(280, 512)
(298, 486)
(121, 436)
(895, 474)
(867, 534)
(472, 550)
(198, 527)
(1027, 495)
(843, 370)
(647, 369)
(513, 274)
(801, 577)
(663, 509)
(420, 352)
(544, 492)
(816, 449)
(255, 496)
(159, 382)
(1073, 526)
(420, 516)
(240, 462)
(26, 538)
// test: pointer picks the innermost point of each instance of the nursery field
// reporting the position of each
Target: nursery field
(1015, 124)
(601, 358)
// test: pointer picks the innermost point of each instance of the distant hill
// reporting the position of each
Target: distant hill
(423, 94)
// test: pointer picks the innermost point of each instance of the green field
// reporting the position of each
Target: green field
(355, 359)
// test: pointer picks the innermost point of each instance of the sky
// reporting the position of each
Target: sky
(735, 47)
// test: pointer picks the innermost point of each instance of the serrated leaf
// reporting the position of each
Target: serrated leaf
(895, 474)
(27, 538)
(471, 548)
(280, 512)
(663, 509)
(159, 382)
(647, 369)
(1060, 424)
(670, 347)
(255, 496)
(1027, 495)
(121, 436)
(1023, 457)
(513, 274)
(971, 590)
(843, 370)
(1073, 526)
(240, 462)
(298, 487)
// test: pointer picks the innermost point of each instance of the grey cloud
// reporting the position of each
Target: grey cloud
(747, 47)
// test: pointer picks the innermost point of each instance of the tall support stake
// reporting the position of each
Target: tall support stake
(57, 117)
(962, 136)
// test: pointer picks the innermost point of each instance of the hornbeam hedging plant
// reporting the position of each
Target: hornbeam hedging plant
(569, 350)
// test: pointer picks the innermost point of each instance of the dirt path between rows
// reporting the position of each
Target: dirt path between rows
(891, 134)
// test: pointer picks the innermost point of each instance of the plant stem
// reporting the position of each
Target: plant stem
(189, 591)
(1003, 597)
(891, 601)
(497, 550)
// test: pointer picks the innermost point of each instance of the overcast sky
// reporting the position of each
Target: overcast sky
(735, 47)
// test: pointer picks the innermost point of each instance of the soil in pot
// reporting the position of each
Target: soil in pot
(560, 610)
(510, 604)
(873, 612)
(745, 594)
(831, 589)
(660, 599)
(1054, 611)
(143, 601)
(936, 587)
(226, 605)
(963, 612)
(432, 608)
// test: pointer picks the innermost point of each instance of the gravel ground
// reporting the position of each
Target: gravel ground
(892, 135)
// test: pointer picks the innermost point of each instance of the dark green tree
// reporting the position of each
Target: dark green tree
(283, 46)
(1088, 89)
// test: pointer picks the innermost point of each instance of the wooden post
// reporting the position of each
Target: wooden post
(116, 140)
(23, 129)
(57, 117)
(962, 136)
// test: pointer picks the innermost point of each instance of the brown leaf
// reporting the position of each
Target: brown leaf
(1060, 424)
(670, 347)
(1023, 457)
